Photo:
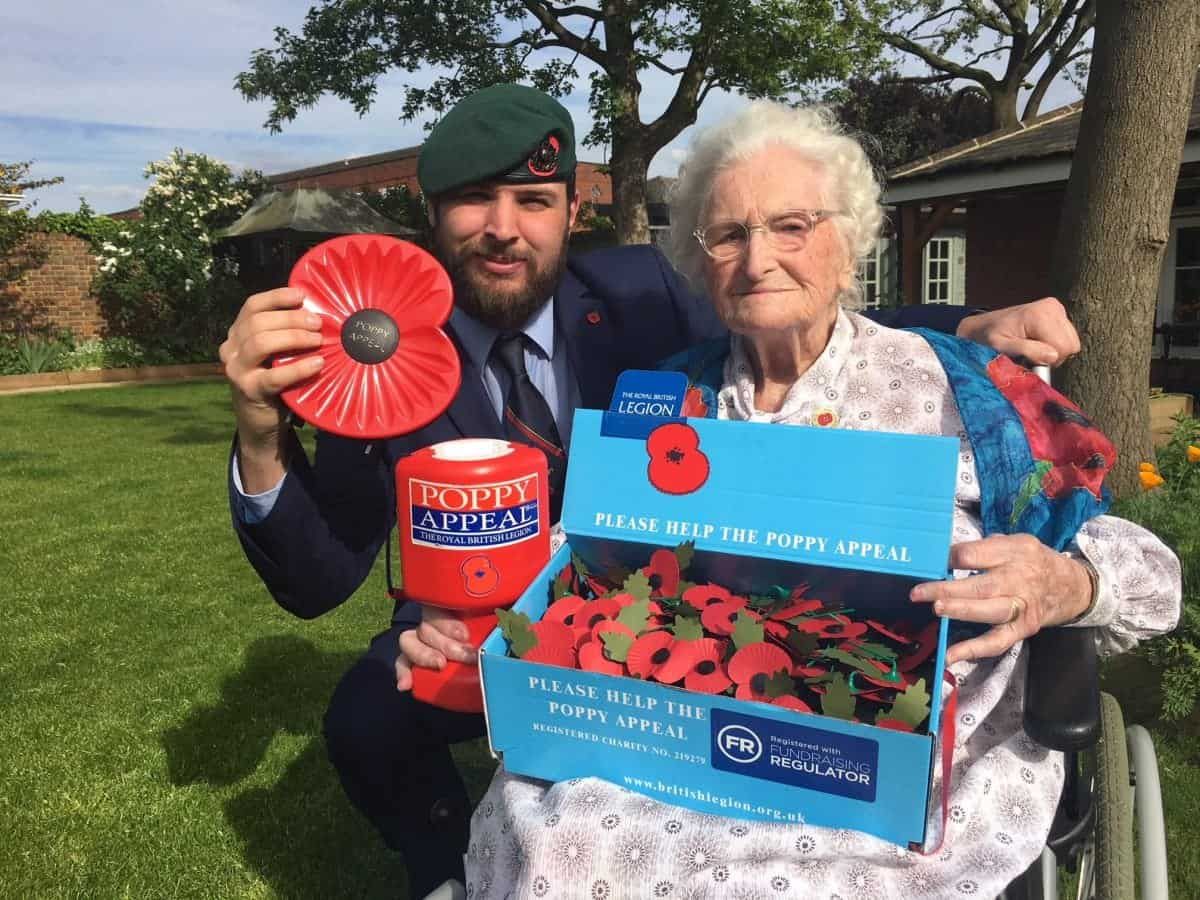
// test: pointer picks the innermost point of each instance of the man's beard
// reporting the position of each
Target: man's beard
(499, 305)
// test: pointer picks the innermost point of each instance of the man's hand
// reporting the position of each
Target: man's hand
(268, 324)
(1024, 586)
(1039, 331)
(439, 637)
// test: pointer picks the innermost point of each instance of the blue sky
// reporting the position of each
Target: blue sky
(94, 91)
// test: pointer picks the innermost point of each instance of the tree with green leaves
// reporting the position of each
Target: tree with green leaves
(903, 121)
(762, 48)
(15, 180)
(957, 41)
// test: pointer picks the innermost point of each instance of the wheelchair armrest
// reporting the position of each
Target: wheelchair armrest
(1062, 690)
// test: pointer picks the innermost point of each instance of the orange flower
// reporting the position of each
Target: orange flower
(1193, 453)
(1146, 467)
(1150, 480)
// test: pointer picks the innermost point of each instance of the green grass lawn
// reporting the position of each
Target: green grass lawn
(160, 716)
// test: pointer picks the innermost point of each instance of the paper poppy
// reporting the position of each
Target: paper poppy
(776, 629)
(708, 675)
(832, 626)
(753, 665)
(704, 595)
(721, 617)
(663, 572)
(564, 609)
(606, 626)
(555, 646)
(797, 608)
(389, 368)
(658, 655)
(893, 632)
(694, 406)
(592, 659)
(926, 643)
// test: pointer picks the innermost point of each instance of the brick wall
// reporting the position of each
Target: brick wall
(55, 293)
(1010, 239)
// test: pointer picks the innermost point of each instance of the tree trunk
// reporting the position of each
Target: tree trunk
(628, 170)
(1116, 213)
(629, 160)
(1004, 106)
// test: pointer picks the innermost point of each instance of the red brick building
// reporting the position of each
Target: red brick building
(399, 167)
(1003, 193)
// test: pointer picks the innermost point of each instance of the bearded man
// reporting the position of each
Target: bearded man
(539, 334)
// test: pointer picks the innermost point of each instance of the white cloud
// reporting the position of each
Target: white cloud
(94, 91)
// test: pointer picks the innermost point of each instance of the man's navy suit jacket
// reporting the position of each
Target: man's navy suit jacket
(617, 309)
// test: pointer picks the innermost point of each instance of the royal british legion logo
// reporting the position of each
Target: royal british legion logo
(473, 516)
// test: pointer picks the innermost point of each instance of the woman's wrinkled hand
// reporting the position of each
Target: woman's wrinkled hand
(1022, 586)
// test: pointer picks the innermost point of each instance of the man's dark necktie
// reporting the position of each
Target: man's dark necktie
(527, 416)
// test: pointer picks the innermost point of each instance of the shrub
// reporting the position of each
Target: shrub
(1171, 511)
(161, 282)
(106, 353)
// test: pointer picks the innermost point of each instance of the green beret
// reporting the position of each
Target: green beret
(507, 132)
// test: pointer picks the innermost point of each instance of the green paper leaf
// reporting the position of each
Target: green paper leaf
(780, 685)
(912, 706)
(875, 651)
(638, 585)
(802, 643)
(580, 566)
(616, 645)
(687, 629)
(515, 626)
(761, 601)
(1029, 488)
(746, 631)
(684, 553)
(851, 660)
(684, 587)
(562, 584)
(837, 701)
(635, 615)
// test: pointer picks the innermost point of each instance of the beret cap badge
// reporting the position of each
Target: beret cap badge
(543, 161)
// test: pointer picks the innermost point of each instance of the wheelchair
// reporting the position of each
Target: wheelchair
(1111, 781)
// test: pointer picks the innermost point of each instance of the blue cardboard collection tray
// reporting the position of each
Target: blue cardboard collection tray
(866, 514)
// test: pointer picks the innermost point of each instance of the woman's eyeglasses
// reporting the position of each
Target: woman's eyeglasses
(786, 231)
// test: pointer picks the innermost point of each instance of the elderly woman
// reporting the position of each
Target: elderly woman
(774, 210)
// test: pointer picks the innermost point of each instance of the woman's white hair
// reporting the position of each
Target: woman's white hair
(851, 185)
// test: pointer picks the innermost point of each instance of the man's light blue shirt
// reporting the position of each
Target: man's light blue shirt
(545, 359)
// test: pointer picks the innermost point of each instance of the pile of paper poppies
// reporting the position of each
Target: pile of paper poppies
(785, 646)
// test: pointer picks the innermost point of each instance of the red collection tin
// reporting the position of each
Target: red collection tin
(474, 528)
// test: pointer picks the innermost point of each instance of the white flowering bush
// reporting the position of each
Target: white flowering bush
(160, 278)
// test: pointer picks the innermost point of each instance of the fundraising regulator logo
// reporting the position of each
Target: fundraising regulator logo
(739, 744)
(793, 754)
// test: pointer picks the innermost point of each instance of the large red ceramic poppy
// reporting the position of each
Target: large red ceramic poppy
(389, 368)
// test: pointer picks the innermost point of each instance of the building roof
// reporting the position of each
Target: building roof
(342, 165)
(1036, 151)
(315, 211)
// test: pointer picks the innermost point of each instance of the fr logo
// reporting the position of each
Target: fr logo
(739, 743)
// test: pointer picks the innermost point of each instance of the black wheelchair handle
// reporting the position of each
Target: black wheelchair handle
(1062, 690)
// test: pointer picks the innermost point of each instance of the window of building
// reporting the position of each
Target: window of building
(943, 269)
(1179, 290)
